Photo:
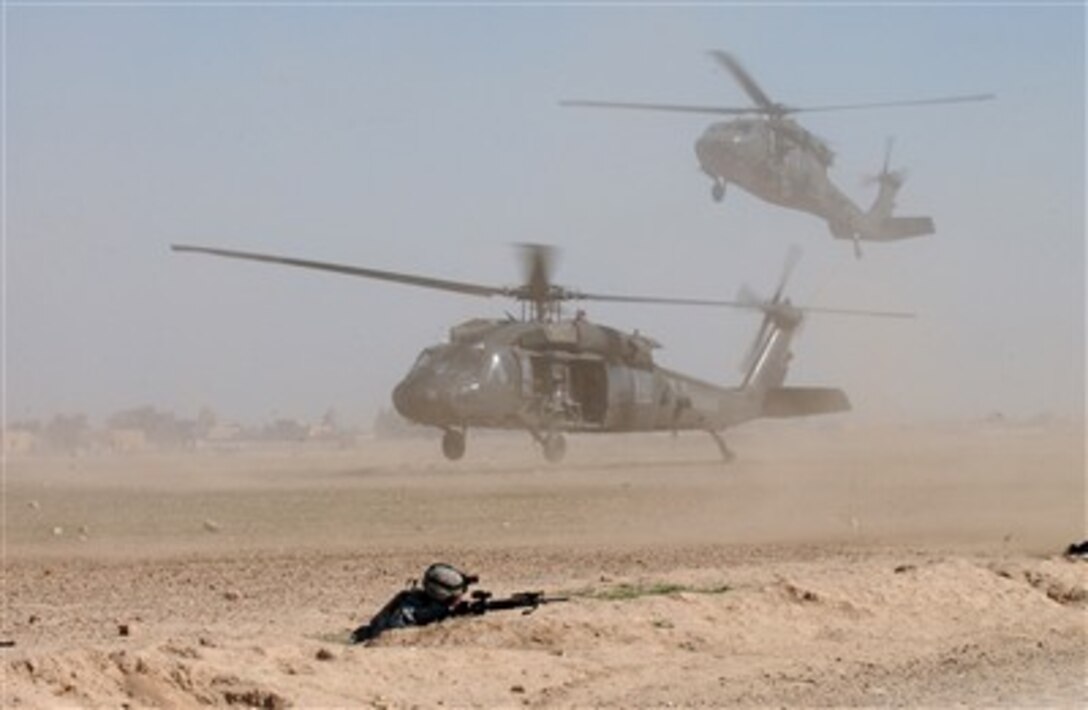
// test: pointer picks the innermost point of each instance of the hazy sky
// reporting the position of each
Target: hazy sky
(428, 139)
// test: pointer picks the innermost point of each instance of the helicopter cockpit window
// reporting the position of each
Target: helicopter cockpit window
(458, 359)
(740, 131)
(501, 368)
(425, 359)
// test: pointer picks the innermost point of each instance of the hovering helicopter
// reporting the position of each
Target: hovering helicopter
(772, 157)
(547, 375)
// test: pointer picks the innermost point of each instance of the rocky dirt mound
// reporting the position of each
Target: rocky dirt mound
(170, 675)
(881, 630)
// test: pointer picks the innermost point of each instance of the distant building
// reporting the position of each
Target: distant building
(126, 441)
(18, 441)
(225, 431)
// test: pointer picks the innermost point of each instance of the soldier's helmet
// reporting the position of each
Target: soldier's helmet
(442, 582)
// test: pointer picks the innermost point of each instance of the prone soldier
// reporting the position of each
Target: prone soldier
(440, 597)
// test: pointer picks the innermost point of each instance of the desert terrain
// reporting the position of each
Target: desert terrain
(831, 564)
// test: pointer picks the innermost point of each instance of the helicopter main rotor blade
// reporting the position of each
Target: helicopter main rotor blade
(793, 257)
(756, 305)
(734, 67)
(607, 298)
(855, 312)
(889, 144)
(675, 108)
(538, 258)
(470, 289)
(774, 109)
(965, 98)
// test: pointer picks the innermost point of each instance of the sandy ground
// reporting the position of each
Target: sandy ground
(831, 565)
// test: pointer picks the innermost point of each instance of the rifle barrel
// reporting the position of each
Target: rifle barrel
(521, 600)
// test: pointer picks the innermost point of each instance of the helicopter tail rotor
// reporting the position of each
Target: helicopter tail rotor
(777, 311)
(793, 256)
(879, 224)
(887, 177)
(781, 317)
(748, 298)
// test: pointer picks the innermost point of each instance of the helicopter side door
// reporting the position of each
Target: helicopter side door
(589, 388)
(573, 387)
(632, 399)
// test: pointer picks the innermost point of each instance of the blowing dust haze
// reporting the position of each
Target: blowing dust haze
(206, 488)
(393, 140)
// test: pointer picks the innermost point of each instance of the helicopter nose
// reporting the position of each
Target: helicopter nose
(702, 148)
(709, 150)
(421, 401)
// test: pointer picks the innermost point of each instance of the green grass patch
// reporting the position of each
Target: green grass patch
(626, 591)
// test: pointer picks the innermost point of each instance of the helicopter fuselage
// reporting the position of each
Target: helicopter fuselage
(548, 375)
(783, 164)
(566, 375)
(774, 158)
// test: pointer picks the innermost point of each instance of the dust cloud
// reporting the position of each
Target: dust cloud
(851, 560)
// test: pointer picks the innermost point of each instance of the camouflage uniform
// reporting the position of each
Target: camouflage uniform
(411, 607)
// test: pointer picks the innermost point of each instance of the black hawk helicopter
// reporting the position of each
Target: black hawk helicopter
(772, 157)
(547, 375)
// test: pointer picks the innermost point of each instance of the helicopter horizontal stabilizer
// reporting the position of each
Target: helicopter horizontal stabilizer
(782, 402)
(893, 229)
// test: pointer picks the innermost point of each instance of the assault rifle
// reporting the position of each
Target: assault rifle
(483, 601)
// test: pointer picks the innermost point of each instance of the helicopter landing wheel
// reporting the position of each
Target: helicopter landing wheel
(555, 448)
(718, 191)
(453, 444)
